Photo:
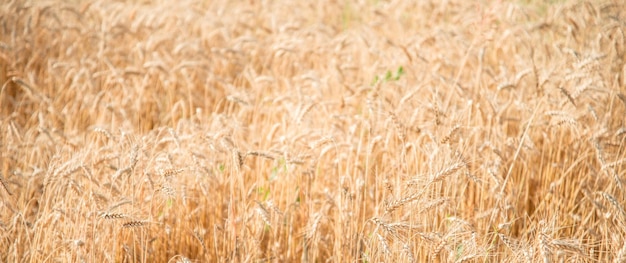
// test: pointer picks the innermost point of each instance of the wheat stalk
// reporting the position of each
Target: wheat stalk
(5, 184)
(265, 155)
(544, 247)
(432, 204)
(171, 172)
(112, 216)
(264, 214)
(105, 132)
(568, 95)
(621, 254)
(616, 205)
(134, 224)
(304, 111)
(451, 133)
(393, 205)
(448, 170)
(406, 248)
(313, 226)
(400, 129)
(383, 244)
(568, 246)
(510, 243)
(467, 258)
(385, 226)
(622, 98)
(437, 249)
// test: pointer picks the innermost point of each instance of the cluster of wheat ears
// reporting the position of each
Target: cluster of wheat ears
(312, 131)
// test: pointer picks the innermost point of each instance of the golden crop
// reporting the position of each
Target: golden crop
(312, 131)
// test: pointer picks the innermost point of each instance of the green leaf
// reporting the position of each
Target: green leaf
(388, 75)
(374, 81)
(264, 192)
(399, 72)
(274, 173)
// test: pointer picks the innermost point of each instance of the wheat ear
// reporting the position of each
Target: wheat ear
(5, 185)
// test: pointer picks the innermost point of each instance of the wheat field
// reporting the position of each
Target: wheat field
(312, 131)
